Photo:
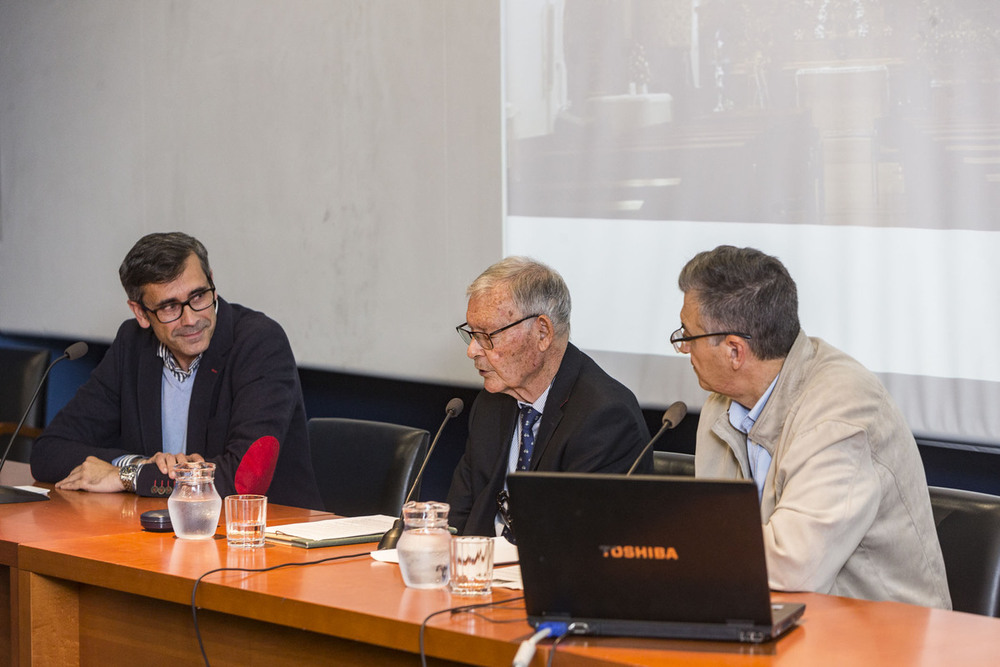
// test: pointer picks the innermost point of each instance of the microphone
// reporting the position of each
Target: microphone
(9, 494)
(256, 468)
(453, 409)
(671, 418)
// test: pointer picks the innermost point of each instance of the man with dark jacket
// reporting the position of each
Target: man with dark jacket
(191, 378)
(545, 406)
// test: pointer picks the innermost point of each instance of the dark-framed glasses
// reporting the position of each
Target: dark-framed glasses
(171, 312)
(484, 339)
(679, 337)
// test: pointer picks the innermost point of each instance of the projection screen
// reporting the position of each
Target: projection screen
(857, 140)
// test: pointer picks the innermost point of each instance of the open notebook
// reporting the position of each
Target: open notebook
(645, 556)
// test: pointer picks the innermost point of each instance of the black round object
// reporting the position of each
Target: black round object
(156, 521)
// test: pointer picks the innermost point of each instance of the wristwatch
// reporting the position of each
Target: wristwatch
(127, 474)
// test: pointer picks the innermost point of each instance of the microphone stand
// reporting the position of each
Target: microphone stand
(10, 494)
(663, 429)
(391, 536)
(671, 418)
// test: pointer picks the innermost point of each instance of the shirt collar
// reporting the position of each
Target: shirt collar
(170, 362)
(743, 419)
(539, 403)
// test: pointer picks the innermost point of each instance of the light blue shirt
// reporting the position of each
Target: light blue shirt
(176, 399)
(175, 392)
(743, 420)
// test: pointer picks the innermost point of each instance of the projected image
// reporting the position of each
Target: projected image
(856, 140)
(843, 112)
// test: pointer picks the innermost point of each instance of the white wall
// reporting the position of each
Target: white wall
(342, 162)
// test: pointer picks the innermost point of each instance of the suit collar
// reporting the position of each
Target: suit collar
(562, 386)
(213, 362)
(794, 373)
(150, 391)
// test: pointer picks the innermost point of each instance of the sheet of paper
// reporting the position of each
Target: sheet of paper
(34, 489)
(503, 577)
(336, 528)
(503, 552)
(508, 577)
(385, 556)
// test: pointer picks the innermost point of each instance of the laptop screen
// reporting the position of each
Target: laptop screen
(641, 548)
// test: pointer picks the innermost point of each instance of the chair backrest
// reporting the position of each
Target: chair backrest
(968, 527)
(365, 467)
(21, 369)
(673, 463)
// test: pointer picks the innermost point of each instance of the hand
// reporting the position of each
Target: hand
(93, 474)
(166, 462)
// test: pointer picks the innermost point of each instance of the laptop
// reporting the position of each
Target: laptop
(645, 556)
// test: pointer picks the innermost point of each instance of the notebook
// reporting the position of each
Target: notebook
(645, 556)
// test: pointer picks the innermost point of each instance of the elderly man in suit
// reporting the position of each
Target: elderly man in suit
(545, 405)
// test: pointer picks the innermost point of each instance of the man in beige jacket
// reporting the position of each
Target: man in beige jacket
(844, 501)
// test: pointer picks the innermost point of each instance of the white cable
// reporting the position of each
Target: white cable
(527, 649)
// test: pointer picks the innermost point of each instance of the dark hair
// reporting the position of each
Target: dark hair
(159, 258)
(745, 290)
(536, 289)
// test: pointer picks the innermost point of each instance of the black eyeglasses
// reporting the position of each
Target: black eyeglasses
(484, 339)
(678, 338)
(172, 312)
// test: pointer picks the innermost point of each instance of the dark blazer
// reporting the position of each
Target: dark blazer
(591, 423)
(246, 387)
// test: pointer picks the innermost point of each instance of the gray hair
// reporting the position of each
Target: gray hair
(745, 290)
(159, 258)
(535, 288)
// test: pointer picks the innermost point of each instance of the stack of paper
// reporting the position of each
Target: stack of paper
(332, 532)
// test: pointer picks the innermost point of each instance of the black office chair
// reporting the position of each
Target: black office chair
(968, 527)
(21, 370)
(673, 463)
(365, 467)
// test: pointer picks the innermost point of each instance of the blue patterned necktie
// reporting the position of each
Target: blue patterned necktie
(529, 416)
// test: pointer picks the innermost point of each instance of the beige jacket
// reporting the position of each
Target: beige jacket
(845, 505)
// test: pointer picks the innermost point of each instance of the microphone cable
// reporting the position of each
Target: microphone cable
(194, 589)
(463, 609)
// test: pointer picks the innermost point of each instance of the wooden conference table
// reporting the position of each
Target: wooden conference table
(89, 586)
